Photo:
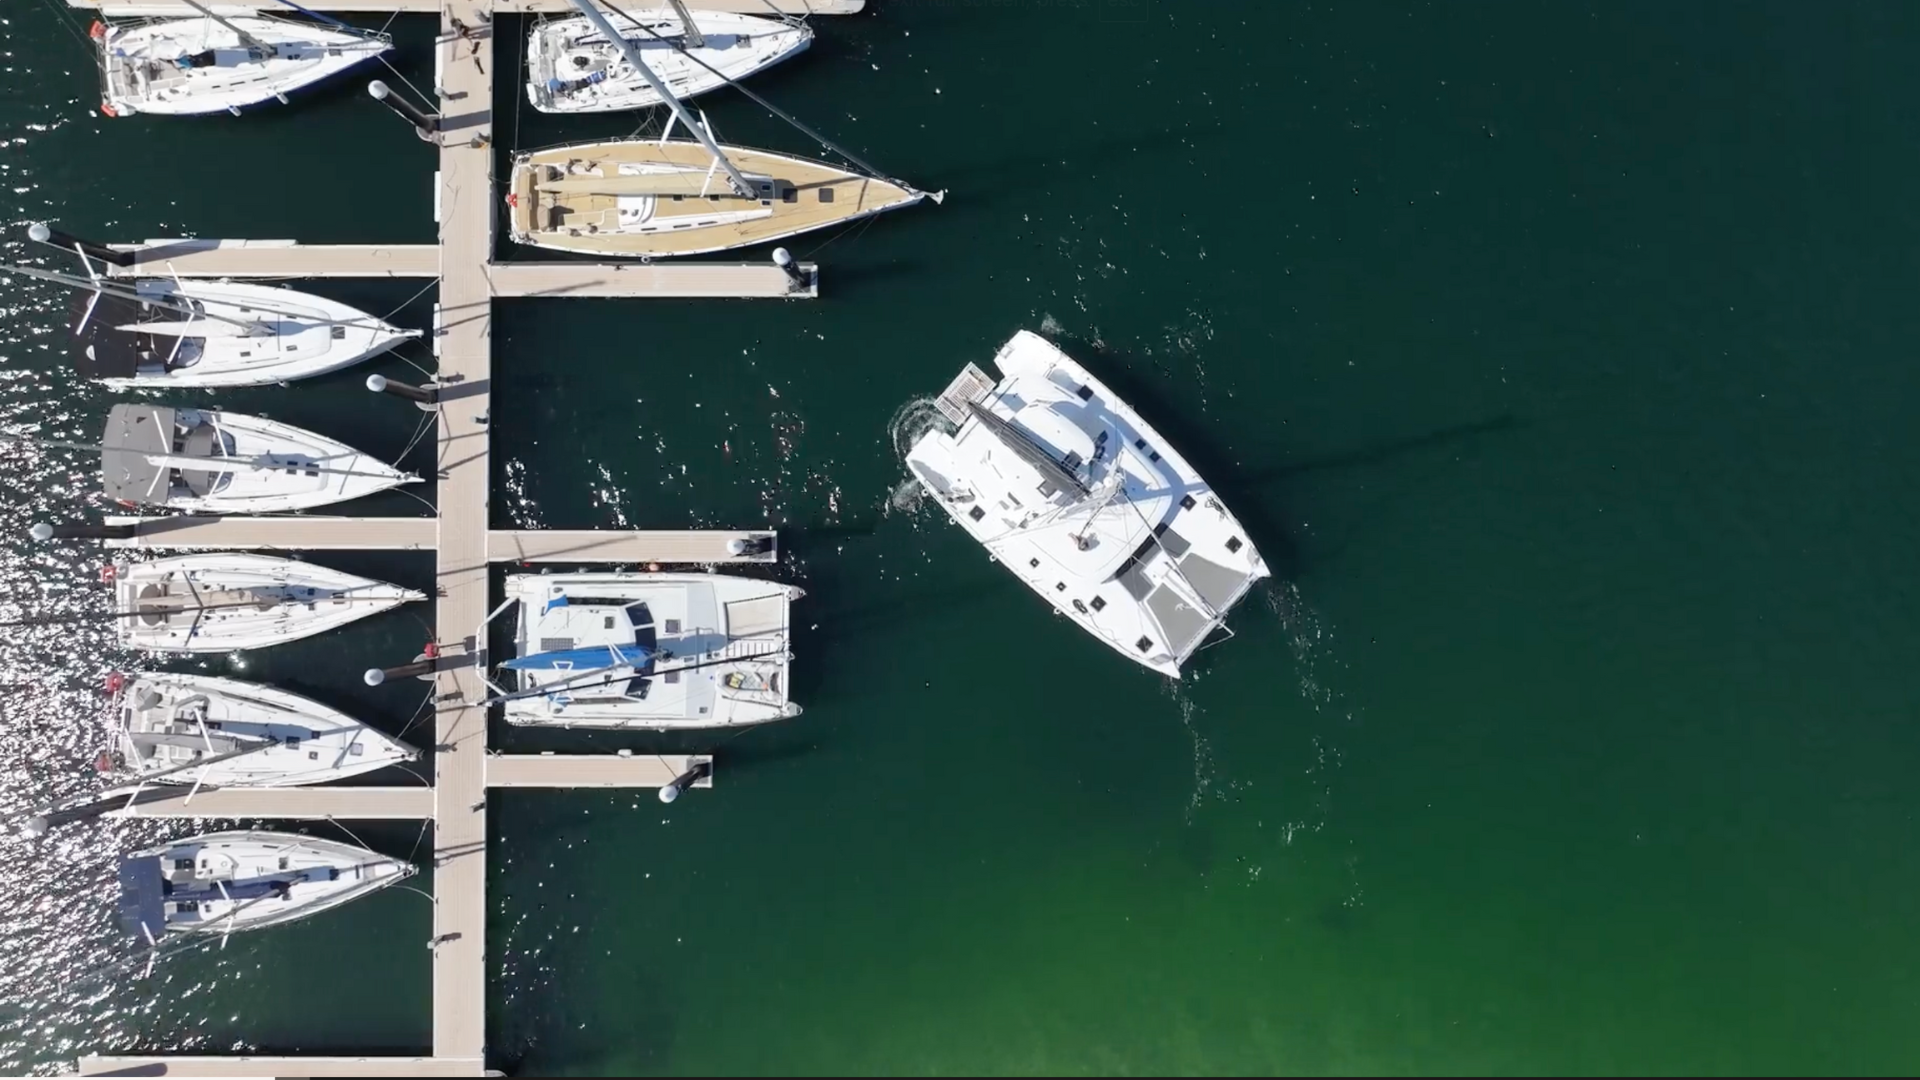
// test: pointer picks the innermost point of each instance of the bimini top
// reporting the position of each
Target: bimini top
(102, 350)
(142, 892)
(129, 475)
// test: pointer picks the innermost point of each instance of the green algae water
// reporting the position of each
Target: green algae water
(1559, 359)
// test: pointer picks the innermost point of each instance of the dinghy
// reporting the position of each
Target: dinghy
(199, 729)
(656, 652)
(219, 883)
(1070, 490)
(215, 63)
(215, 462)
(573, 68)
(228, 601)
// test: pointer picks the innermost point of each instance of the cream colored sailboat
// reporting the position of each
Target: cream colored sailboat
(644, 198)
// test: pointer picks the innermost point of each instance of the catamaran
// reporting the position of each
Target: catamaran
(231, 601)
(160, 333)
(219, 63)
(223, 882)
(573, 68)
(200, 729)
(645, 198)
(1066, 486)
(651, 651)
(216, 462)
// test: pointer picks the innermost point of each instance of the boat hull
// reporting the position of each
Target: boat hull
(307, 335)
(712, 651)
(571, 68)
(244, 601)
(288, 740)
(642, 199)
(1151, 568)
(228, 882)
(197, 67)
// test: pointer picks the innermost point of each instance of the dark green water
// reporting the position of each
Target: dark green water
(1559, 359)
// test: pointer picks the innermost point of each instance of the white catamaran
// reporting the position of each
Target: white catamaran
(215, 462)
(1070, 489)
(219, 883)
(199, 729)
(573, 68)
(652, 651)
(218, 63)
(645, 198)
(228, 601)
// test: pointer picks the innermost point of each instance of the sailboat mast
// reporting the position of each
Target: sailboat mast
(125, 293)
(695, 39)
(741, 184)
(246, 39)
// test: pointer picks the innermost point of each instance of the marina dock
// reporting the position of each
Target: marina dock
(281, 259)
(417, 803)
(463, 768)
(690, 547)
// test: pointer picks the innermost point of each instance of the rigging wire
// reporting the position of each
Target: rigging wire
(409, 300)
(762, 102)
(72, 23)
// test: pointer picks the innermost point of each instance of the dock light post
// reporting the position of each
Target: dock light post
(41, 233)
(740, 547)
(423, 396)
(685, 780)
(44, 532)
(424, 666)
(423, 125)
(783, 259)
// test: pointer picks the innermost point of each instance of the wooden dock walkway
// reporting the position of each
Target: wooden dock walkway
(286, 259)
(417, 803)
(678, 547)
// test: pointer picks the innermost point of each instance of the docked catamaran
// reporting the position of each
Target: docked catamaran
(219, 63)
(219, 883)
(645, 198)
(228, 601)
(651, 651)
(1066, 486)
(200, 729)
(574, 68)
(216, 462)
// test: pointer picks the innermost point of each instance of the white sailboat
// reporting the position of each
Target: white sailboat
(219, 883)
(217, 63)
(228, 601)
(199, 729)
(215, 462)
(573, 68)
(656, 652)
(165, 333)
(645, 198)
(1067, 487)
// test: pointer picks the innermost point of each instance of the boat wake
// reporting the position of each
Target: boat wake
(909, 422)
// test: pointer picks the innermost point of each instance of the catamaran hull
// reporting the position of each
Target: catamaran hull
(721, 648)
(302, 741)
(141, 65)
(1140, 611)
(572, 69)
(310, 600)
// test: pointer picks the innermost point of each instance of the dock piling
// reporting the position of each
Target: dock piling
(685, 780)
(42, 233)
(44, 532)
(424, 125)
(423, 396)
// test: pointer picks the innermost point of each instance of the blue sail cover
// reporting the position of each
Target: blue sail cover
(593, 659)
